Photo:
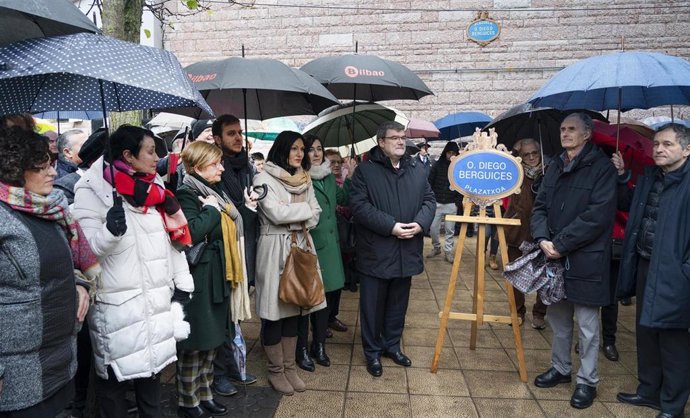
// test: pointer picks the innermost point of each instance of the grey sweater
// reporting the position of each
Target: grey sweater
(37, 310)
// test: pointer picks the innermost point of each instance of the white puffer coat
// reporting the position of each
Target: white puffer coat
(131, 321)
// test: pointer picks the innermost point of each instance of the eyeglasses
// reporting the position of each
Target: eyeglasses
(532, 154)
(396, 138)
(42, 168)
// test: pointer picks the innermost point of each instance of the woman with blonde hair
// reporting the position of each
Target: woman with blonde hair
(290, 205)
(220, 278)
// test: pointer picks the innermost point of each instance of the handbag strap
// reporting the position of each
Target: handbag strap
(306, 236)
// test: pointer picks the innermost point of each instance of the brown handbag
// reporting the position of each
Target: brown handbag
(300, 282)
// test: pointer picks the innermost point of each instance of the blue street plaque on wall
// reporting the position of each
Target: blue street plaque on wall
(483, 30)
(485, 174)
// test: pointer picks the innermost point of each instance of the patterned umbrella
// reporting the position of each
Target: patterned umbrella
(27, 19)
(91, 72)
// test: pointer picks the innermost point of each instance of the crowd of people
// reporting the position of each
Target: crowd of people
(117, 258)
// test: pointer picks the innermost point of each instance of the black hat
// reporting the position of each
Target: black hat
(199, 126)
(423, 144)
(93, 148)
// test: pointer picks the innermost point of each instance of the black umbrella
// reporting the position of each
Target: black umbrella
(542, 124)
(257, 88)
(94, 72)
(367, 78)
(26, 19)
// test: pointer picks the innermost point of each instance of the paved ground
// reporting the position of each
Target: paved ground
(469, 383)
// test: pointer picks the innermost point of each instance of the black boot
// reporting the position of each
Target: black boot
(196, 412)
(303, 360)
(318, 351)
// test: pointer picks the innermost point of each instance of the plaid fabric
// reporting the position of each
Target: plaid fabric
(534, 273)
(54, 208)
(194, 377)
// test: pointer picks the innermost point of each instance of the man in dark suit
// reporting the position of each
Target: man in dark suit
(656, 269)
(392, 207)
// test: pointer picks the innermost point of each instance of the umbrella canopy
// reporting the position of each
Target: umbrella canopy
(269, 129)
(266, 88)
(366, 77)
(170, 120)
(621, 80)
(337, 126)
(94, 72)
(461, 124)
(525, 121)
(419, 128)
(27, 19)
(72, 114)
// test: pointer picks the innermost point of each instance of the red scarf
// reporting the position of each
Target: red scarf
(141, 190)
(54, 208)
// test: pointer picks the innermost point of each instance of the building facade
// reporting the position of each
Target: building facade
(537, 38)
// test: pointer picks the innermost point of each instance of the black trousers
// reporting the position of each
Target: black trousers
(81, 379)
(382, 305)
(663, 357)
(273, 331)
(110, 395)
(319, 322)
(333, 302)
(609, 314)
(224, 364)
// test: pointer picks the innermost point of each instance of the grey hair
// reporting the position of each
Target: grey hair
(385, 126)
(585, 119)
(527, 141)
(64, 140)
(682, 132)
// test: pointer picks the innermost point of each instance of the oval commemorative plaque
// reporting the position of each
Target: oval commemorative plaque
(485, 174)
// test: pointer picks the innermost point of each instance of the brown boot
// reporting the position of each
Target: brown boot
(289, 344)
(276, 375)
(493, 265)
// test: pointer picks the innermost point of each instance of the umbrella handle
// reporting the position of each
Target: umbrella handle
(261, 190)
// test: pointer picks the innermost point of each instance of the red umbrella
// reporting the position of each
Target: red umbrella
(635, 147)
(419, 128)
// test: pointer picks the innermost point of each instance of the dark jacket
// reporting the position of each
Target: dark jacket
(575, 210)
(38, 310)
(426, 166)
(66, 185)
(667, 291)
(380, 196)
(207, 311)
(438, 180)
(64, 167)
(520, 207)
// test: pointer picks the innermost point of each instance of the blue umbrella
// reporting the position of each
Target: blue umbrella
(621, 80)
(94, 72)
(71, 114)
(461, 124)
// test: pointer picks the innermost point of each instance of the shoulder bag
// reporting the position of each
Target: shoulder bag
(300, 282)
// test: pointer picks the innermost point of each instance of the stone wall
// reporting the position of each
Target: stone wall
(429, 36)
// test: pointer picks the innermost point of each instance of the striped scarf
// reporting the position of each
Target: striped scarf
(53, 207)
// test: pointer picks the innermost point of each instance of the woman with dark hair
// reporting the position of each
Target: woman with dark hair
(289, 205)
(137, 317)
(327, 245)
(41, 245)
(447, 203)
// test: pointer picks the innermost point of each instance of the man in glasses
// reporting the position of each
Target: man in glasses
(392, 206)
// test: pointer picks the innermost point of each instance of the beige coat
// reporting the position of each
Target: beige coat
(278, 215)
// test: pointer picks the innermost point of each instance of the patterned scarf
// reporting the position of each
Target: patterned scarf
(532, 173)
(54, 208)
(142, 190)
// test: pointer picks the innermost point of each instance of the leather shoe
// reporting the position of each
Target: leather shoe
(337, 325)
(196, 412)
(214, 408)
(303, 360)
(222, 386)
(398, 358)
(374, 367)
(637, 400)
(610, 352)
(318, 351)
(551, 378)
(583, 396)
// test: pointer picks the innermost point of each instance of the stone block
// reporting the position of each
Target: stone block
(336, 39)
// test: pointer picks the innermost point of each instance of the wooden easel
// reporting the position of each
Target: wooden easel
(477, 316)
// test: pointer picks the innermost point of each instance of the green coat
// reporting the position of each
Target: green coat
(207, 312)
(325, 234)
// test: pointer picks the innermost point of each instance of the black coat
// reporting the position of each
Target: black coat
(380, 196)
(575, 210)
(438, 180)
(667, 291)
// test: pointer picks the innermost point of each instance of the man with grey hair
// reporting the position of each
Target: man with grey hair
(572, 220)
(392, 207)
(655, 268)
(68, 144)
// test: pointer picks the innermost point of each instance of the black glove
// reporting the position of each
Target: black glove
(181, 297)
(115, 221)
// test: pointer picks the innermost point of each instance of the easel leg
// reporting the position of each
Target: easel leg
(459, 246)
(503, 248)
(478, 300)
